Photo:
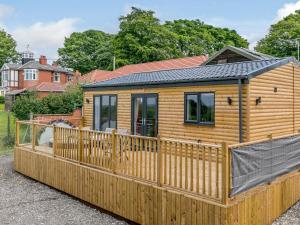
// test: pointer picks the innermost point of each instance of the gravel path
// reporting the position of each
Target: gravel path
(26, 202)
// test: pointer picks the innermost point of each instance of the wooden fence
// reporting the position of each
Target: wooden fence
(197, 168)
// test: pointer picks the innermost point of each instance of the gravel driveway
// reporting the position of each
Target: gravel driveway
(27, 202)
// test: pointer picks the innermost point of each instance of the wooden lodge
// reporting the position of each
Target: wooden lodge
(160, 147)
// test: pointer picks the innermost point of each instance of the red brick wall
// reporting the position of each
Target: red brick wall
(75, 118)
(44, 76)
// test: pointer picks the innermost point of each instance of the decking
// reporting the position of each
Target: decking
(148, 180)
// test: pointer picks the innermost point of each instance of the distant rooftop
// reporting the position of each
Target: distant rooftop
(101, 75)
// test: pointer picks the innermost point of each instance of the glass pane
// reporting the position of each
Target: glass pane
(192, 108)
(207, 107)
(151, 116)
(105, 112)
(138, 116)
(97, 113)
(113, 112)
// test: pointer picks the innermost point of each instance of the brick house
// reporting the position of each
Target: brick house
(34, 75)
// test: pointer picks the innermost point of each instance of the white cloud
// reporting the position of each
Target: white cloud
(286, 10)
(45, 38)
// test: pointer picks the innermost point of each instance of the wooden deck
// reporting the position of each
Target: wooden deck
(150, 181)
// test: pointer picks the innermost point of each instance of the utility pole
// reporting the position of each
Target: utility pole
(298, 48)
(114, 63)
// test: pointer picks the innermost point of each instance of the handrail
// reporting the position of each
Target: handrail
(199, 168)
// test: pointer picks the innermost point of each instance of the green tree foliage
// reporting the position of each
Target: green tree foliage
(281, 39)
(143, 38)
(52, 104)
(86, 51)
(8, 51)
(196, 38)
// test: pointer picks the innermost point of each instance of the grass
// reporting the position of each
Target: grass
(1, 107)
(3, 131)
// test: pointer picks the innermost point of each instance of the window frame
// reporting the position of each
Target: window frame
(100, 108)
(144, 96)
(198, 94)
(56, 74)
(33, 71)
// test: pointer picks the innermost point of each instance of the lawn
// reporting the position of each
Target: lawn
(1, 107)
(3, 131)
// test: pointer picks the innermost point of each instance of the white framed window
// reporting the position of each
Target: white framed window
(56, 77)
(30, 74)
(5, 75)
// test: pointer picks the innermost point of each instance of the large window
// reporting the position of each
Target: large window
(199, 108)
(105, 112)
(30, 74)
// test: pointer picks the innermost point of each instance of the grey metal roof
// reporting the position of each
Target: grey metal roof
(218, 72)
(37, 65)
(250, 54)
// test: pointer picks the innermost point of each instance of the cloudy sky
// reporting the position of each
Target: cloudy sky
(44, 24)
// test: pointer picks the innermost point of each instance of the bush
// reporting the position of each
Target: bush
(24, 105)
(52, 104)
(2, 100)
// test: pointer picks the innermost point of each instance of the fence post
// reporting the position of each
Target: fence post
(225, 173)
(80, 152)
(54, 141)
(114, 150)
(17, 133)
(159, 165)
(33, 135)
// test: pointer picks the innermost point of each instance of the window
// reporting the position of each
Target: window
(199, 108)
(56, 77)
(69, 78)
(5, 75)
(30, 74)
(105, 112)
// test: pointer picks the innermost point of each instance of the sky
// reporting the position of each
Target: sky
(44, 24)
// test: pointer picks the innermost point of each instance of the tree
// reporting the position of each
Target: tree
(86, 51)
(8, 46)
(281, 39)
(196, 38)
(143, 39)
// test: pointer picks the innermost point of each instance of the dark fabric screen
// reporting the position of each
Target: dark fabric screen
(261, 163)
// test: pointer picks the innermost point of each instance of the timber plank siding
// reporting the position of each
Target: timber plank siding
(277, 114)
(171, 112)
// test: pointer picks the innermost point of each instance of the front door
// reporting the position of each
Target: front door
(144, 114)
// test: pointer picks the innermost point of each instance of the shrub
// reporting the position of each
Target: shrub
(52, 104)
(24, 105)
(2, 100)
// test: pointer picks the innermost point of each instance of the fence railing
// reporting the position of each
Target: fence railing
(197, 168)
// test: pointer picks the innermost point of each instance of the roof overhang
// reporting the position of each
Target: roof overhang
(167, 84)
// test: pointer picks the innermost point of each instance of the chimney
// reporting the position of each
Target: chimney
(43, 60)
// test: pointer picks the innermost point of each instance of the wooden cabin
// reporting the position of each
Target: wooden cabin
(227, 102)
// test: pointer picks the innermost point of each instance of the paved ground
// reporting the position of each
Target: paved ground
(26, 202)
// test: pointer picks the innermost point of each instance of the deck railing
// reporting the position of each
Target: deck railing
(196, 168)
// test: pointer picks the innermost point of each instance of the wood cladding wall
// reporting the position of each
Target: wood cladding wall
(279, 112)
(171, 112)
